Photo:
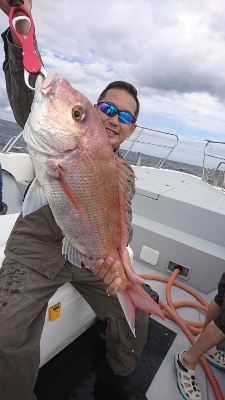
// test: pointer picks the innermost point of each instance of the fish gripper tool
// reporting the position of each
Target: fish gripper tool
(31, 60)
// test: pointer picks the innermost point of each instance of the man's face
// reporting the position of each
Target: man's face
(118, 131)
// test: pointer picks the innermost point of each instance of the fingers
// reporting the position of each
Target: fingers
(113, 287)
(28, 5)
(4, 6)
(22, 26)
(108, 271)
(129, 269)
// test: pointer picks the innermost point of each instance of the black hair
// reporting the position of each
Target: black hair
(122, 86)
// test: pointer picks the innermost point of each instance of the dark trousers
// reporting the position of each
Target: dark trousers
(24, 296)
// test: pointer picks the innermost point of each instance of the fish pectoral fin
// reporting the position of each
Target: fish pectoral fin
(34, 199)
(136, 297)
(73, 197)
(74, 256)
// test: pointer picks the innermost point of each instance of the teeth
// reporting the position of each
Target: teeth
(111, 132)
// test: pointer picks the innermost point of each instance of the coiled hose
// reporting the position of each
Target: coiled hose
(188, 327)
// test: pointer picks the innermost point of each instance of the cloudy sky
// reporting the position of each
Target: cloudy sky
(173, 51)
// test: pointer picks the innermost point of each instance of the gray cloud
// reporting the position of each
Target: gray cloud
(173, 51)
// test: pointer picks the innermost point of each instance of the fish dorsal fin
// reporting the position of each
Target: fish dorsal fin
(74, 256)
(126, 179)
(34, 199)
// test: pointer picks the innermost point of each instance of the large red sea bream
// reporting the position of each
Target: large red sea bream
(84, 182)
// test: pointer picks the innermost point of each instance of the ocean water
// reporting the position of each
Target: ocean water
(9, 129)
(151, 161)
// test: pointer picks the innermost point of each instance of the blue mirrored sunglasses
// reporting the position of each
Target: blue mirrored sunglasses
(110, 110)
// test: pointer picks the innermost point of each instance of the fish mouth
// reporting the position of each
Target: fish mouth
(48, 85)
(45, 89)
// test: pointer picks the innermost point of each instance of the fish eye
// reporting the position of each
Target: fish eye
(77, 113)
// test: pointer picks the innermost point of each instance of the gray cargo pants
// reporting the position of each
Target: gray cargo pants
(24, 296)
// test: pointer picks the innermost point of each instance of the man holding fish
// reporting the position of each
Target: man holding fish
(75, 226)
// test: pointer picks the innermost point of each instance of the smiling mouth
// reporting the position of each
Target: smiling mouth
(110, 132)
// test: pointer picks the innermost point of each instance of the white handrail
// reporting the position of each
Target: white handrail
(142, 128)
(11, 143)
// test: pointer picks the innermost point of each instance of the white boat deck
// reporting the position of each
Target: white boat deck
(164, 385)
(179, 219)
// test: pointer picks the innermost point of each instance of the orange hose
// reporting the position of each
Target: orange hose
(187, 327)
(189, 324)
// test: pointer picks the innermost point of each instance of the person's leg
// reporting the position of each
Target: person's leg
(213, 310)
(207, 342)
(123, 351)
(212, 334)
(24, 295)
(186, 361)
(209, 338)
(218, 353)
(123, 348)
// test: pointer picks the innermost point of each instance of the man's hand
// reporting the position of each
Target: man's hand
(108, 271)
(22, 26)
(5, 6)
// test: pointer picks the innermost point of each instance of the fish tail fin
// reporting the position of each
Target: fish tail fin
(136, 297)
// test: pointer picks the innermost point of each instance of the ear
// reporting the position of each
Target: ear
(132, 129)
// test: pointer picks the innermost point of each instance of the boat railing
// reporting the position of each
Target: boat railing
(11, 144)
(214, 175)
(170, 147)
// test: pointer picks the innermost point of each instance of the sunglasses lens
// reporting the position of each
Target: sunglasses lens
(108, 109)
(126, 118)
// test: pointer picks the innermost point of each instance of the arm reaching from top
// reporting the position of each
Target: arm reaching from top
(20, 96)
(22, 26)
